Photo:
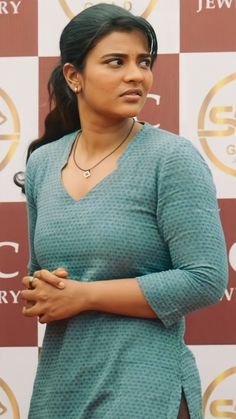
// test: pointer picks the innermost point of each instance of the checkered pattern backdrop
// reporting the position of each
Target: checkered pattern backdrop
(193, 94)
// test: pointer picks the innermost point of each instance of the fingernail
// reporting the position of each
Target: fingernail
(61, 285)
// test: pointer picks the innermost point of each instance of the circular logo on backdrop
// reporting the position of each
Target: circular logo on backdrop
(8, 403)
(219, 400)
(232, 256)
(142, 8)
(217, 125)
(9, 129)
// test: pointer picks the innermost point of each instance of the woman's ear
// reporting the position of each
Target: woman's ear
(72, 77)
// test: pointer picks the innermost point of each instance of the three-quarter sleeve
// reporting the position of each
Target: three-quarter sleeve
(32, 215)
(188, 219)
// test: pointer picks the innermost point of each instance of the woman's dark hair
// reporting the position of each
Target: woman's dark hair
(80, 35)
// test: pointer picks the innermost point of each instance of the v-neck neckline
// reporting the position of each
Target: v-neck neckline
(66, 156)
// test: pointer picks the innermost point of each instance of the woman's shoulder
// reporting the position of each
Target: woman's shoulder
(171, 151)
(44, 158)
(52, 149)
(47, 155)
(164, 144)
(160, 137)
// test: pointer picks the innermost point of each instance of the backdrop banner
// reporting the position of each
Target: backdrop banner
(193, 94)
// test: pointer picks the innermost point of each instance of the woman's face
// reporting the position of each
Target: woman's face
(117, 76)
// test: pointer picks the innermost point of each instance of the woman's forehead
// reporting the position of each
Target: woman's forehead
(123, 40)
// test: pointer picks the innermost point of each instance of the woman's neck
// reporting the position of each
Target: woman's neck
(97, 138)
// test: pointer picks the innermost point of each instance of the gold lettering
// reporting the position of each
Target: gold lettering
(15, 246)
(210, 4)
(128, 5)
(3, 118)
(9, 297)
(88, 4)
(3, 297)
(15, 7)
(3, 8)
(231, 149)
(228, 294)
(214, 117)
(199, 6)
(3, 409)
(15, 296)
(227, 3)
(220, 413)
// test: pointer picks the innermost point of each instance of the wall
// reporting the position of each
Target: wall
(193, 95)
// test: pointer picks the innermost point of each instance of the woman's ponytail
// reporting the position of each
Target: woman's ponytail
(63, 116)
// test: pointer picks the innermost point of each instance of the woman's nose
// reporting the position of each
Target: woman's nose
(133, 73)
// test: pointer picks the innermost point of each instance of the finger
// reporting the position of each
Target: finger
(50, 278)
(29, 304)
(43, 319)
(26, 280)
(32, 311)
(29, 282)
(28, 295)
(60, 272)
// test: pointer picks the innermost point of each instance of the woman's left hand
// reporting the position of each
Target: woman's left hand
(55, 278)
(50, 303)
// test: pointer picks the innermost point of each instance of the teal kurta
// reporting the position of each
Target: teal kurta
(155, 218)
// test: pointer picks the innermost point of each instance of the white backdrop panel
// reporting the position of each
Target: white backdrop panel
(211, 78)
(17, 371)
(19, 84)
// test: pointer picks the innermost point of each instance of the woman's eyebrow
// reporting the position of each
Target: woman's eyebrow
(122, 55)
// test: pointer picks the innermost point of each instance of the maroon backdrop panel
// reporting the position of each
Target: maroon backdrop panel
(18, 28)
(208, 25)
(15, 329)
(216, 324)
(166, 89)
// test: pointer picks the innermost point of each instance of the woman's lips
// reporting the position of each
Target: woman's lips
(132, 92)
(132, 95)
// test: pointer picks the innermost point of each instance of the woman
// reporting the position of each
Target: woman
(130, 213)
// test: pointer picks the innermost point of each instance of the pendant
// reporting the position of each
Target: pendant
(87, 174)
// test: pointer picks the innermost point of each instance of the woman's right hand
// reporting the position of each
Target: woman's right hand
(49, 303)
(55, 278)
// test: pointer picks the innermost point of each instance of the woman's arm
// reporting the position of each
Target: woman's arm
(32, 213)
(188, 219)
(189, 222)
(118, 296)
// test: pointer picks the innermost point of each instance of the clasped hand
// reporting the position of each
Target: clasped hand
(52, 296)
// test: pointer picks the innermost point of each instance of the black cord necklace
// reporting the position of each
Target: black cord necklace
(87, 172)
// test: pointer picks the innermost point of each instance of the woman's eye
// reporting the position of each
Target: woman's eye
(118, 62)
(145, 63)
(115, 63)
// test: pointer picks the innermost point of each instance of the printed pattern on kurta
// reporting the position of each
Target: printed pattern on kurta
(154, 218)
